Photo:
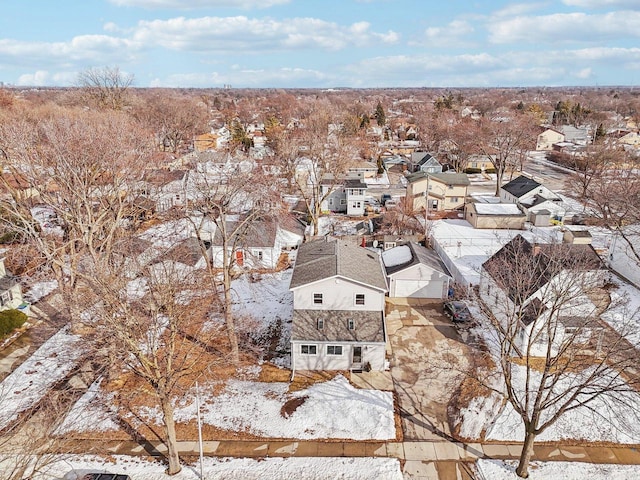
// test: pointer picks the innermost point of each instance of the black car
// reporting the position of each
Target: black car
(458, 311)
(105, 476)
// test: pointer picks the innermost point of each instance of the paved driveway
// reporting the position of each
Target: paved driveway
(427, 361)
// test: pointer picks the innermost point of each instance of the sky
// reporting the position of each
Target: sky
(323, 43)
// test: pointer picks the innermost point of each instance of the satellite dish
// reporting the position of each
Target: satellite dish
(375, 244)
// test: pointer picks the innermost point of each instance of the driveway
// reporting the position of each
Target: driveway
(428, 359)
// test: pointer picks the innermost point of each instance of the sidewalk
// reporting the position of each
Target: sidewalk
(428, 451)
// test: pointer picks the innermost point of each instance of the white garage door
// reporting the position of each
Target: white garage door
(418, 289)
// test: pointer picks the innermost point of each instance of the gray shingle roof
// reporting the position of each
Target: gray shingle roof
(324, 258)
(369, 326)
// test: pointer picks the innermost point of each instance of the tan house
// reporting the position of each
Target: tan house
(631, 138)
(548, 138)
(494, 215)
(437, 192)
(206, 141)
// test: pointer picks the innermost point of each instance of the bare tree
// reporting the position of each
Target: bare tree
(174, 119)
(613, 198)
(505, 140)
(107, 87)
(588, 167)
(554, 354)
(160, 325)
(82, 168)
(225, 207)
(329, 152)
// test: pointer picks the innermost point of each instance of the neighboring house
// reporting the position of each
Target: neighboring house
(364, 170)
(437, 191)
(262, 244)
(347, 197)
(10, 289)
(179, 262)
(416, 272)
(338, 308)
(167, 188)
(515, 287)
(548, 138)
(483, 162)
(494, 215)
(206, 141)
(632, 139)
(424, 162)
(576, 135)
(532, 197)
(17, 187)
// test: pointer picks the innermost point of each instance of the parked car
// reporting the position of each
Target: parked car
(458, 311)
(105, 476)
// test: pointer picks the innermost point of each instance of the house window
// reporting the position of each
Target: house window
(357, 205)
(343, 201)
(331, 201)
(308, 349)
(320, 323)
(334, 349)
(454, 199)
(177, 197)
(450, 187)
(317, 299)
(351, 324)
(259, 255)
(6, 297)
(359, 298)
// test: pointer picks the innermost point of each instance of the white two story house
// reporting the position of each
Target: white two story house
(338, 308)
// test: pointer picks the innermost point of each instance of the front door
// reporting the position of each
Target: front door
(357, 355)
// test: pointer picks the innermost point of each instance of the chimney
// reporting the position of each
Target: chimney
(536, 249)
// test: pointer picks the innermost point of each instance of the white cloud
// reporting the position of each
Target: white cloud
(449, 36)
(602, 3)
(193, 4)
(101, 48)
(518, 9)
(565, 27)
(246, 35)
(585, 73)
(242, 77)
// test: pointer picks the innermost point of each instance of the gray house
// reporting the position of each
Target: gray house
(424, 162)
(338, 308)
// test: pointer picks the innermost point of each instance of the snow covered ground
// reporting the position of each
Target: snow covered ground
(500, 470)
(40, 290)
(603, 420)
(332, 409)
(73, 467)
(624, 313)
(29, 383)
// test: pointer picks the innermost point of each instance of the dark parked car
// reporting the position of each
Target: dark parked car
(458, 311)
(105, 476)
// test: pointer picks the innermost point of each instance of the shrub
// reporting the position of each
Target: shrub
(470, 171)
(10, 320)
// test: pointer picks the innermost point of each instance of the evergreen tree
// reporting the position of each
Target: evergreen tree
(380, 116)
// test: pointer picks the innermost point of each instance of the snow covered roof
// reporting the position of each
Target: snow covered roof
(497, 209)
(405, 256)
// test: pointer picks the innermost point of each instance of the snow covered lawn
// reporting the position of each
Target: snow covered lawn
(332, 409)
(499, 470)
(624, 314)
(30, 382)
(72, 467)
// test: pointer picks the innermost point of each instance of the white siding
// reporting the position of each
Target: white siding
(337, 294)
(373, 353)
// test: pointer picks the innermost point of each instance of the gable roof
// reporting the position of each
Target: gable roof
(324, 258)
(521, 268)
(520, 186)
(419, 255)
(260, 232)
(447, 178)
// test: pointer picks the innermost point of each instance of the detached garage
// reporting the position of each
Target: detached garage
(414, 271)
